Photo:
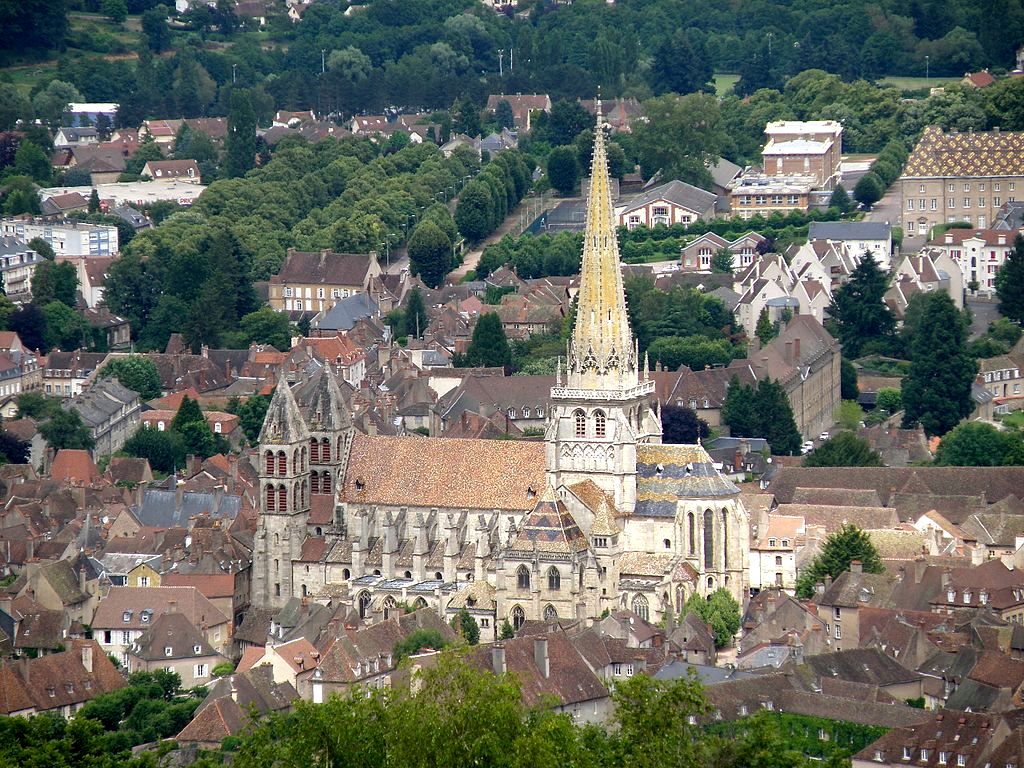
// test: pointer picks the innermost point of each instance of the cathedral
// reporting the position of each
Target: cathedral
(600, 515)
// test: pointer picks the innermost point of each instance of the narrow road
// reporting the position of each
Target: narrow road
(518, 219)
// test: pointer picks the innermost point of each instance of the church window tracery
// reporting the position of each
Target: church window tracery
(641, 607)
(554, 579)
(600, 425)
(550, 614)
(709, 539)
(523, 577)
(518, 618)
(580, 421)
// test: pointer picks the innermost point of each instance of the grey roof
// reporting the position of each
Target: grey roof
(102, 401)
(325, 408)
(344, 315)
(707, 675)
(723, 171)
(172, 636)
(849, 230)
(678, 192)
(753, 443)
(160, 508)
(132, 216)
(666, 473)
(75, 134)
(861, 665)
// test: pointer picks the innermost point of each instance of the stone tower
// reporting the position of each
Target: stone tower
(284, 498)
(606, 407)
(330, 433)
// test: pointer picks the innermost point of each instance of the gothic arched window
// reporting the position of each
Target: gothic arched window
(709, 539)
(314, 450)
(295, 462)
(325, 450)
(692, 533)
(314, 482)
(282, 499)
(364, 604)
(282, 463)
(325, 482)
(518, 618)
(600, 425)
(270, 462)
(295, 498)
(390, 606)
(550, 614)
(271, 498)
(580, 422)
(523, 577)
(419, 604)
(554, 579)
(641, 608)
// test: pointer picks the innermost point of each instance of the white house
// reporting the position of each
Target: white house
(673, 203)
(858, 237)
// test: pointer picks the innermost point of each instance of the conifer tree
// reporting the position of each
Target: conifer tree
(937, 389)
(241, 138)
(1010, 283)
(415, 319)
(489, 345)
(858, 311)
(766, 330)
(840, 549)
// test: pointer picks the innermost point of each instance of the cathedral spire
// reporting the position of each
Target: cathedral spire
(283, 422)
(601, 352)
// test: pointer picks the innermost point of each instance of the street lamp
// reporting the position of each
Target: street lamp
(323, 65)
(927, 67)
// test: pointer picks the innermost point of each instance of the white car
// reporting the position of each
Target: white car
(823, 436)
(807, 447)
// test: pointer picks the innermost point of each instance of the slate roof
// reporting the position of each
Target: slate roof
(160, 508)
(344, 315)
(667, 473)
(978, 153)
(283, 423)
(861, 665)
(849, 230)
(677, 192)
(948, 733)
(102, 402)
(173, 632)
(474, 474)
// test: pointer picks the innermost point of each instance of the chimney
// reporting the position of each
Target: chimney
(87, 656)
(204, 351)
(737, 464)
(856, 566)
(789, 351)
(946, 574)
(172, 605)
(234, 689)
(828, 581)
(81, 578)
(540, 655)
(948, 238)
(498, 658)
(919, 566)
(23, 667)
(796, 350)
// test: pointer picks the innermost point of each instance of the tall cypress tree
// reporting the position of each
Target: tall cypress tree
(937, 389)
(489, 345)
(1010, 283)
(241, 138)
(858, 311)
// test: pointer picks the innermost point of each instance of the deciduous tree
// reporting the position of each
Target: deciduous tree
(1010, 283)
(64, 429)
(976, 444)
(680, 424)
(135, 372)
(430, 253)
(845, 449)
(694, 122)
(563, 170)
(840, 549)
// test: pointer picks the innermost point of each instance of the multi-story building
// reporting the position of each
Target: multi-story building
(674, 203)
(67, 374)
(111, 413)
(858, 237)
(18, 263)
(812, 148)
(773, 555)
(696, 256)
(316, 281)
(978, 252)
(753, 194)
(953, 177)
(67, 238)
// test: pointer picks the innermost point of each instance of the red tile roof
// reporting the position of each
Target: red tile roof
(75, 465)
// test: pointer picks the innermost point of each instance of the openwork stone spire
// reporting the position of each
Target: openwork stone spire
(602, 354)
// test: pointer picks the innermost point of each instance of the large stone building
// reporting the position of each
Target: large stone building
(600, 515)
(812, 147)
(953, 177)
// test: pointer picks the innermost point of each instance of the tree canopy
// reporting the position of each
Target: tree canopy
(489, 346)
(858, 314)
(840, 549)
(761, 410)
(135, 372)
(976, 444)
(844, 449)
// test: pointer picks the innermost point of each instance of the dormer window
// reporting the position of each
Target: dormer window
(950, 596)
(967, 596)
(785, 542)
(943, 757)
(126, 616)
(907, 752)
(168, 650)
(772, 542)
(197, 649)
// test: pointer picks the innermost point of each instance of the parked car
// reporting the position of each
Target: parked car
(823, 436)
(807, 447)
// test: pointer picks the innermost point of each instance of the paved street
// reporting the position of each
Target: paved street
(983, 312)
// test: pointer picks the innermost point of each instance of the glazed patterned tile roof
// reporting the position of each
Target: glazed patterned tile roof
(939, 154)
(444, 472)
(667, 473)
(597, 501)
(549, 528)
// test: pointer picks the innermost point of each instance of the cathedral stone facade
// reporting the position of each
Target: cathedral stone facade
(600, 515)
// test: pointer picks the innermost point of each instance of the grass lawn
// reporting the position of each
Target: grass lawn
(724, 83)
(916, 83)
(1014, 420)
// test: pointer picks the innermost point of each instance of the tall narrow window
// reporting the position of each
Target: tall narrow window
(270, 462)
(314, 450)
(580, 419)
(325, 482)
(364, 604)
(282, 463)
(599, 424)
(518, 618)
(725, 539)
(325, 450)
(282, 499)
(523, 577)
(550, 614)
(295, 462)
(554, 579)
(271, 498)
(709, 540)
(641, 607)
(692, 538)
(314, 482)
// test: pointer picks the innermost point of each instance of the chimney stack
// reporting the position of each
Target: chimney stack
(789, 351)
(498, 658)
(796, 350)
(172, 605)
(856, 566)
(87, 656)
(540, 656)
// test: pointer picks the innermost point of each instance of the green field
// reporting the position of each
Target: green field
(1013, 420)
(724, 84)
(916, 83)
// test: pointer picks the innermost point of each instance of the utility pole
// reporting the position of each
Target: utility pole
(511, 69)
(501, 62)
(323, 65)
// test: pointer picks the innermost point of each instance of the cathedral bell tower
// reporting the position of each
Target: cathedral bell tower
(284, 498)
(330, 434)
(606, 405)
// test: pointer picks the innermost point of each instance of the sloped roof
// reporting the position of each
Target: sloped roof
(75, 465)
(677, 192)
(667, 473)
(171, 636)
(325, 267)
(549, 528)
(473, 474)
(979, 153)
